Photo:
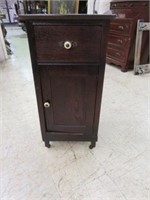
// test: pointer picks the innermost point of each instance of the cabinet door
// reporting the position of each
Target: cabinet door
(71, 94)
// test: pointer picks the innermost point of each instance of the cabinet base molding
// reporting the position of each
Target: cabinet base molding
(91, 146)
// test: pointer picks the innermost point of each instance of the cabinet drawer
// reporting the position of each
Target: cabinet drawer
(121, 42)
(68, 43)
(122, 27)
(119, 55)
(128, 5)
(114, 5)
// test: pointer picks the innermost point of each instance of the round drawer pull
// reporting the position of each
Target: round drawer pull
(118, 54)
(120, 41)
(47, 104)
(120, 27)
(67, 45)
(114, 5)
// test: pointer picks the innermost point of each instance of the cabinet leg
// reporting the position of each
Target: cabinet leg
(92, 145)
(47, 144)
(124, 69)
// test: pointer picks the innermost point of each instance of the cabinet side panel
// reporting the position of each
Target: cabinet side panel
(36, 76)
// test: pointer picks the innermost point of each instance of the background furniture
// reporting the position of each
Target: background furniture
(55, 6)
(122, 34)
(3, 52)
(7, 7)
(50, 7)
(141, 28)
(68, 73)
(4, 44)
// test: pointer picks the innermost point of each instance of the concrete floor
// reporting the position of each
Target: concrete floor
(117, 169)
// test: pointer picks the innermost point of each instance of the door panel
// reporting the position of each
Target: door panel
(68, 104)
(71, 93)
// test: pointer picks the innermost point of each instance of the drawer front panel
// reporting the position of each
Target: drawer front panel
(68, 43)
(119, 41)
(116, 54)
(122, 27)
(128, 5)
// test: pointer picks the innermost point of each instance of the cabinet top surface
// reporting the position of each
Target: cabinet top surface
(29, 17)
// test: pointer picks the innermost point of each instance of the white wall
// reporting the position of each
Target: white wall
(101, 6)
(3, 52)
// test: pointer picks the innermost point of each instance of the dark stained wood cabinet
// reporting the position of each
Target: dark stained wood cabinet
(122, 34)
(68, 55)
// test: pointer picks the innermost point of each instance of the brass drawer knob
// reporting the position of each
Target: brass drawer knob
(67, 45)
(114, 5)
(120, 27)
(118, 54)
(47, 104)
(120, 41)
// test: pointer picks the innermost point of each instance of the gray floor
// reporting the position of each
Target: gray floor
(117, 169)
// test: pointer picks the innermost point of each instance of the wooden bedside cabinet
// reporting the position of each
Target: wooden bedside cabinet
(122, 34)
(68, 59)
